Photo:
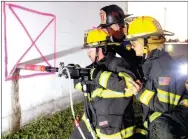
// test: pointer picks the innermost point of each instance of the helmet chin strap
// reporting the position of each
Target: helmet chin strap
(96, 57)
(145, 50)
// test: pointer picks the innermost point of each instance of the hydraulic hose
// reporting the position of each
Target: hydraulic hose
(72, 107)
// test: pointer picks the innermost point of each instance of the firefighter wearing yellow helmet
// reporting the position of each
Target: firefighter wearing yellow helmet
(163, 93)
(109, 114)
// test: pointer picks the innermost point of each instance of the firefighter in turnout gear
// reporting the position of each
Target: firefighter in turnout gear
(115, 21)
(110, 110)
(163, 92)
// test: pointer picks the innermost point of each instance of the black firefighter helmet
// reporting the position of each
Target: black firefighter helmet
(112, 14)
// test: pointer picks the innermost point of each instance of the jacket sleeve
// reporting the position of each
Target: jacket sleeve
(161, 93)
(77, 84)
(114, 81)
(184, 99)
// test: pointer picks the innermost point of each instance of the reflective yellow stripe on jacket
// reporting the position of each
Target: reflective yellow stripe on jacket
(128, 84)
(163, 96)
(146, 96)
(106, 93)
(103, 80)
(152, 117)
(85, 121)
(141, 131)
(89, 126)
(78, 86)
(168, 97)
(125, 133)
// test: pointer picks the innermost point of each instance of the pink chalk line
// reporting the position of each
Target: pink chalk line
(55, 41)
(31, 10)
(33, 42)
(5, 40)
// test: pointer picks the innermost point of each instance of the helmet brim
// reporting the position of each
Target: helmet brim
(111, 44)
(163, 32)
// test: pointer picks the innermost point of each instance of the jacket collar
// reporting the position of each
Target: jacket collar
(154, 54)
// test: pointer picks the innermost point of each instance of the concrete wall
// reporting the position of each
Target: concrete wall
(40, 95)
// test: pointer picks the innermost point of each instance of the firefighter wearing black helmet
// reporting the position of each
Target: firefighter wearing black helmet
(113, 19)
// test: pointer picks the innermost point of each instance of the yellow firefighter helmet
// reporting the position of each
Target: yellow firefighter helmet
(97, 38)
(145, 26)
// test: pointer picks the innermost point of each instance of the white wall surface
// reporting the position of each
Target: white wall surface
(41, 95)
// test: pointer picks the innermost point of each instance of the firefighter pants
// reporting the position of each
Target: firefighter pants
(165, 127)
(76, 134)
(180, 114)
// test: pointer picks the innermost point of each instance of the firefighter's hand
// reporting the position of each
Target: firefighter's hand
(135, 87)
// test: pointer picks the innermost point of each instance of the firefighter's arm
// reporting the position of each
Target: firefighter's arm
(114, 81)
(156, 95)
(184, 99)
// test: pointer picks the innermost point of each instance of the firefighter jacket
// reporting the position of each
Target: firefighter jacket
(164, 87)
(112, 111)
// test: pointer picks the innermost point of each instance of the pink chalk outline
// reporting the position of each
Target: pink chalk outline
(11, 6)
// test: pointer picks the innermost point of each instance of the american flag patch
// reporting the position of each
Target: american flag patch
(164, 80)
